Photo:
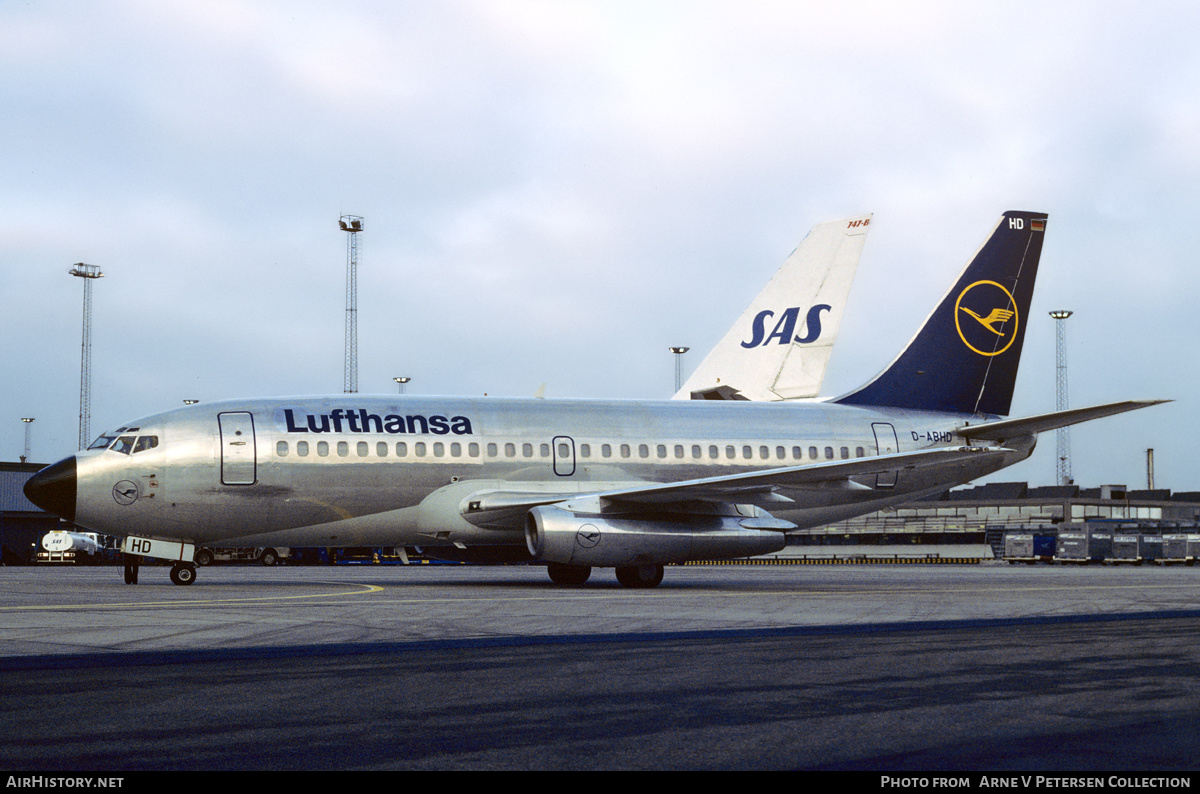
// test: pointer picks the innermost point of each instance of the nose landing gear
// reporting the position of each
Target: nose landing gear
(183, 573)
(135, 548)
(131, 568)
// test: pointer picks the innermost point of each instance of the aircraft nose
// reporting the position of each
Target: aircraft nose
(53, 488)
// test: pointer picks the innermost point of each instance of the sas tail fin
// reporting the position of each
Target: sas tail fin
(778, 348)
(964, 359)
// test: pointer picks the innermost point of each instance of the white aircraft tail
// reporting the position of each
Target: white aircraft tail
(778, 348)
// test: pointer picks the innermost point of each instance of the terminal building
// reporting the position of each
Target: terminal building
(22, 523)
(1011, 504)
(975, 520)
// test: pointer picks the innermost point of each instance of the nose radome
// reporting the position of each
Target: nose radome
(53, 488)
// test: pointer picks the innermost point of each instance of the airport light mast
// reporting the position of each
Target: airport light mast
(352, 225)
(87, 273)
(678, 351)
(1061, 403)
(28, 420)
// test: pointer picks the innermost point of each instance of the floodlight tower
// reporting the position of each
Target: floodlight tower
(352, 225)
(87, 273)
(1061, 403)
(28, 420)
(678, 351)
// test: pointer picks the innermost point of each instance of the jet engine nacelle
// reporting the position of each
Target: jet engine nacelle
(556, 535)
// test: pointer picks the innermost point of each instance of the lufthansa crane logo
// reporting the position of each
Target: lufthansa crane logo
(125, 492)
(985, 316)
(588, 536)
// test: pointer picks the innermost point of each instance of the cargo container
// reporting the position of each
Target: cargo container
(1083, 545)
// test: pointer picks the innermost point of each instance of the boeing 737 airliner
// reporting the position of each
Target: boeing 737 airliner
(630, 485)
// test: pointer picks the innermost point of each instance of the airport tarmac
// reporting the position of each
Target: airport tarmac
(888, 667)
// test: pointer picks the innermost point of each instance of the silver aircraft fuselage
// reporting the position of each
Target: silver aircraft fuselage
(355, 470)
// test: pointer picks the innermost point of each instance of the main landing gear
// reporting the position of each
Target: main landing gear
(640, 576)
(568, 575)
(182, 573)
(635, 576)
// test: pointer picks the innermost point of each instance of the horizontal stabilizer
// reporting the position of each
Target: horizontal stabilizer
(1012, 428)
(718, 393)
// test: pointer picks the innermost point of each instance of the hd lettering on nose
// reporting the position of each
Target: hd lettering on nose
(785, 326)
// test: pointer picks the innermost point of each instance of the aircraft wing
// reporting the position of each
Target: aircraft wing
(1012, 428)
(496, 507)
(834, 474)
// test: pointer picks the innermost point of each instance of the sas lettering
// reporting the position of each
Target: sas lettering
(360, 420)
(786, 326)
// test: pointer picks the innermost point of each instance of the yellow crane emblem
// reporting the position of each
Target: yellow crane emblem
(1000, 316)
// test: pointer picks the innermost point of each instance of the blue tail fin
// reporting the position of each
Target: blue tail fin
(964, 359)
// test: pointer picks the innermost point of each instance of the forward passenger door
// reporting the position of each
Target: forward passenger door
(239, 458)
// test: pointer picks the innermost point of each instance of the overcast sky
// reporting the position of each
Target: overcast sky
(556, 192)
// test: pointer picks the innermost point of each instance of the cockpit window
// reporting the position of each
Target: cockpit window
(102, 442)
(124, 445)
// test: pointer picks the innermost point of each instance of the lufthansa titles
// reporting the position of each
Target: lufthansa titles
(360, 420)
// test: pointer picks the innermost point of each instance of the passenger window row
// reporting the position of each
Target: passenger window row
(381, 449)
(695, 452)
(714, 452)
